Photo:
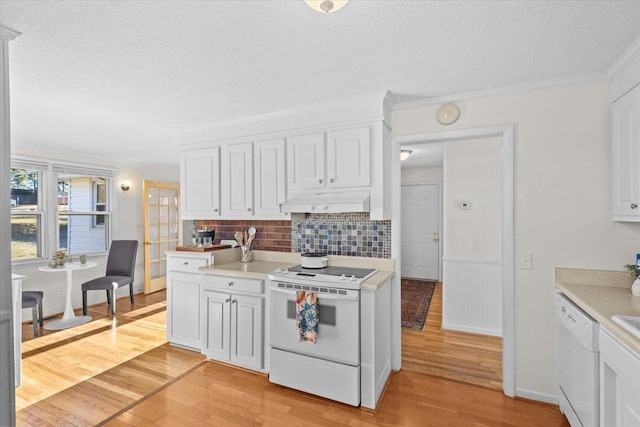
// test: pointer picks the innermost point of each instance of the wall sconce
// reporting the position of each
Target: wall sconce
(404, 154)
(125, 186)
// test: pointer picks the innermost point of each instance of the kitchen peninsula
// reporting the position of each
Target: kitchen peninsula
(221, 306)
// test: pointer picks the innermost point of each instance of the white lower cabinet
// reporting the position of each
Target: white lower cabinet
(183, 298)
(232, 320)
(619, 383)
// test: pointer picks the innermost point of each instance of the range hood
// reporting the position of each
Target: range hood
(347, 201)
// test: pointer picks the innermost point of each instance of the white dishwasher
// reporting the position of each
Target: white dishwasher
(578, 364)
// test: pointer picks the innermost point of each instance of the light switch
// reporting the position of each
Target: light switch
(525, 261)
(466, 205)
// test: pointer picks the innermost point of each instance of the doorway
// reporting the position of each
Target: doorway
(161, 203)
(421, 209)
(505, 265)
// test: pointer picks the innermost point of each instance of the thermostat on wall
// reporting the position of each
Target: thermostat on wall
(466, 204)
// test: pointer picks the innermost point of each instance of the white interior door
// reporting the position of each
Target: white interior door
(421, 231)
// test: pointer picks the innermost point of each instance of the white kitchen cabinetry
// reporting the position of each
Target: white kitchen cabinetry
(305, 162)
(329, 148)
(237, 180)
(232, 320)
(619, 383)
(200, 183)
(349, 158)
(270, 177)
(626, 156)
(344, 161)
(183, 298)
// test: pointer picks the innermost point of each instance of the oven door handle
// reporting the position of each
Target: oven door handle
(320, 295)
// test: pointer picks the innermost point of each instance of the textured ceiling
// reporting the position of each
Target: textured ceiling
(119, 77)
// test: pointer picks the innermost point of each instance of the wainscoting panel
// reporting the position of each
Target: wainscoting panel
(472, 295)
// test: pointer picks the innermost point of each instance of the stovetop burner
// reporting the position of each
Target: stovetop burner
(331, 277)
(358, 273)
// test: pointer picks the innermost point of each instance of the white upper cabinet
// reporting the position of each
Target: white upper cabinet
(305, 162)
(200, 183)
(626, 157)
(349, 160)
(237, 180)
(344, 161)
(270, 177)
(269, 160)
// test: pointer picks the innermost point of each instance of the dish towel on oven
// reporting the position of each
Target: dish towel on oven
(307, 316)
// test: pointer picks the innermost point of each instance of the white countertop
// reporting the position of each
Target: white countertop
(610, 297)
(265, 262)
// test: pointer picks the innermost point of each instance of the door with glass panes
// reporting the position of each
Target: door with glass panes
(161, 231)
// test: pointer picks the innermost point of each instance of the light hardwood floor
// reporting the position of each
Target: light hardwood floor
(83, 375)
(470, 358)
(169, 386)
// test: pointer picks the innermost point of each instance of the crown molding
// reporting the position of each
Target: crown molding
(7, 33)
(507, 90)
(625, 59)
(307, 109)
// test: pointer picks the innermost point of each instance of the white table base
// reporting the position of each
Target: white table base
(69, 319)
(63, 323)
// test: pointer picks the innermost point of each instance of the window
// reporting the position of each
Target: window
(83, 214)
(56, 206)
(27, 215)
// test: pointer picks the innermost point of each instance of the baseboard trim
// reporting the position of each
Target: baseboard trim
(537, 396)
(471, 330)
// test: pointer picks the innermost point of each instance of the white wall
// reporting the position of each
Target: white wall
(473, 173)
(127, 224)
(421, 175)
(562, 202)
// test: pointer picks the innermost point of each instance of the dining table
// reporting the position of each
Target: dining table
(69, 319)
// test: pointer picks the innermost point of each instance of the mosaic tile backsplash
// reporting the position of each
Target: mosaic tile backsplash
(348, 234)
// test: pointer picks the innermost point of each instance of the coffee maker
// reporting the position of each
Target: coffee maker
(206, 237)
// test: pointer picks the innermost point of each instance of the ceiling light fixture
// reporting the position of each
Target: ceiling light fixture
(404, 154)
(326, 6)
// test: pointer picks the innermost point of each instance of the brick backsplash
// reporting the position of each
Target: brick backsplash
(348, 234)
(270, 235)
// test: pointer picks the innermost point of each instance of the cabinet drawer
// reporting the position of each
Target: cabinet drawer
(233, 284)
(186, 264)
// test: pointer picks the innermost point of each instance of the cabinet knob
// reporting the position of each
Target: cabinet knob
(227, 300)
(634, 206)
(320, 181)
(215, 210)
(185, 263)
(230, 283)
(331, 180)
(249, 209)
(235, 301)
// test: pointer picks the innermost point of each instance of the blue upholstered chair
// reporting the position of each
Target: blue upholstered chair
(121, 265)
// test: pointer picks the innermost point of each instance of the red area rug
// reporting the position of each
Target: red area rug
(416, 298)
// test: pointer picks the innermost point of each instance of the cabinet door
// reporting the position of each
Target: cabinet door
(269, 184)
(237, 180)
(246, 330)
(305, 162)
(216, 326)
(349, 159)
(629, 406)
(183, 309)
(200, 183)
(626, 157)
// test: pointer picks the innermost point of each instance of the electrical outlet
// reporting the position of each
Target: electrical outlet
(525, 261)
(61, 292)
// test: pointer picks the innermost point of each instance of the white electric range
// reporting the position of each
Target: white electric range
(330, 367)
